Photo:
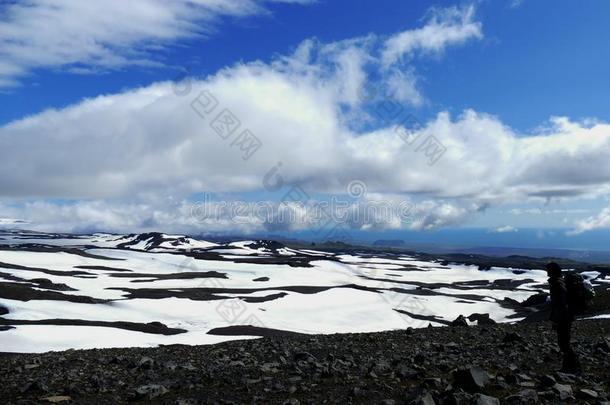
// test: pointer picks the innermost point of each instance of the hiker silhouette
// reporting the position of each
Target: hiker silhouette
(562, 317)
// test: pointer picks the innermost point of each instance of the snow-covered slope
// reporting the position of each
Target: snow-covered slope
(63, 291)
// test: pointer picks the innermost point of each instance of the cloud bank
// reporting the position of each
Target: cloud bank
(119, 157)
(82, 36)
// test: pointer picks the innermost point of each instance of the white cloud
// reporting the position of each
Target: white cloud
(600, 221)
(403, 87)
(85, 36)
(446, 26)
(121, 154)
(515, 3)
(505, 229)
(149, 141)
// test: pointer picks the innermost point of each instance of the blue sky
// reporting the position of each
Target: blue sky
(537, 60)
(95, 137)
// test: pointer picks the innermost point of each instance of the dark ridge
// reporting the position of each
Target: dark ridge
(170, 276)
(38, 282)
(429, 318)
(499, 284)
(102, 268)
(266, 244)
(156, 328)
(46, 271)
(23, 292)
(207, 294)
(266, 298)
(35, 247)
(153, 239)
(249, 330)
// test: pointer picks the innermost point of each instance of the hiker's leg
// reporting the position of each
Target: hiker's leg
(575, 363)
(570, 363)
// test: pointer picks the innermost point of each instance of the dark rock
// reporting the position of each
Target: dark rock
(512, 337)
(57, 399)
(603, 345)
(150, 391)
(564, 391)
(547, 381)
(423, 399)
(534, 300)
(458, 398)
(406, 372)
(472, 379)
(459, 321)
(261, 279)
(481, 399)
(36, 386)
(587, 394)
(304, 356)
(524, 397)
(481, 319)
(146, 363)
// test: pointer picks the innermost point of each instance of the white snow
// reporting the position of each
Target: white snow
(334, 310)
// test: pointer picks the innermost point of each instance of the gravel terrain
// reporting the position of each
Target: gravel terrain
(503, 363)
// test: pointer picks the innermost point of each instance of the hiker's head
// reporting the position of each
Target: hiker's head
(553, 269)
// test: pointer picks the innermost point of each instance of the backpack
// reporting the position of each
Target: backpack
(580, 292)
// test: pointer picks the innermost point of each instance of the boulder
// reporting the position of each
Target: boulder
(563, 390)
(587, 394)
(524, 397)
(512, 337)
(150, 391)
(536, 299)
(471, 379)
(146, 363)
(481, 399)
(481, 319)
(459, 321)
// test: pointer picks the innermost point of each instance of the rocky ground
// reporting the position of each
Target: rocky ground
(508, 364)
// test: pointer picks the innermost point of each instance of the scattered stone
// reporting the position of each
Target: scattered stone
(151, 391)
(534, 300)
(603, 345)
(564, 391)
(146, 363)
(423, 399)
(587, 394)
(459, 321)
(56, 399)
(524, 397)
(512, 337)
(472, 379)
(547, 381)
(481, 399)
(35, 386)
(481, 319)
